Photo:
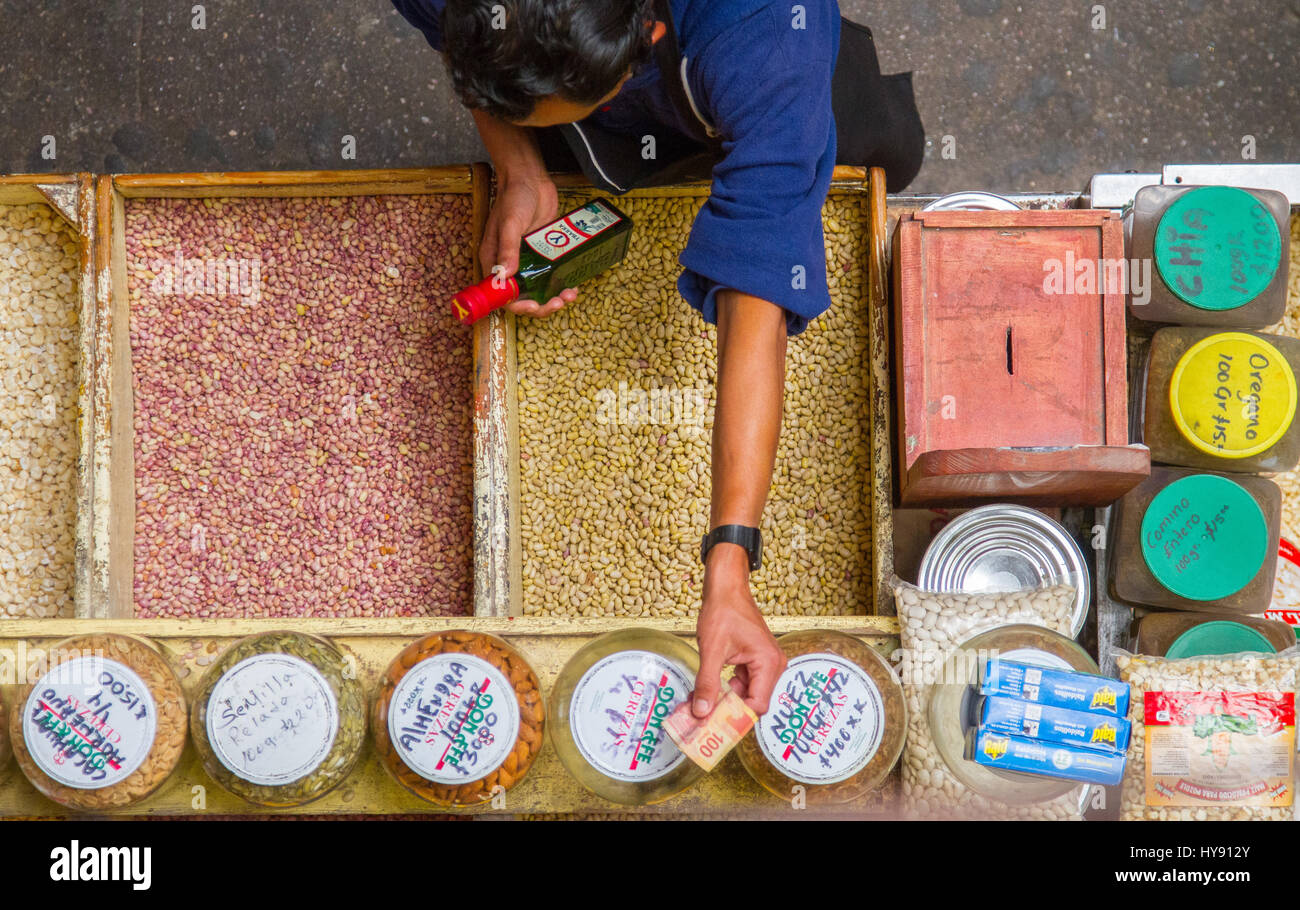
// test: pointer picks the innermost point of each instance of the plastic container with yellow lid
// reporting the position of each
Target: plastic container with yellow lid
(1222, 400)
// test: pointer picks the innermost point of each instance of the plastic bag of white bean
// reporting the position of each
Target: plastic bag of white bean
(932, 626)
(1220, 744)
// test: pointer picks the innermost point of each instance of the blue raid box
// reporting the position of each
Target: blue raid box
(1055, 688)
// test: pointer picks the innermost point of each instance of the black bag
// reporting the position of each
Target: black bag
(876, 120)
(876, 124)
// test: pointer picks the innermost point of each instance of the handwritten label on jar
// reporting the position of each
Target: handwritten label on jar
(825, 722)
(90, 723)
(272, 719)
(453, 718)
(1233, 395)
(1217, 247)
(617, 712)
(1204, 537)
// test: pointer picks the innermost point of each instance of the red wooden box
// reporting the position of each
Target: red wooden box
(1010, 358)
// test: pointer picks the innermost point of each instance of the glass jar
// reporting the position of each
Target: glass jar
(279, 719)
(1220, 255)
(104, 726)
(949, 713)
(1194, 540)
(835, 725)
(608, 708)
(1222, 400)
(459, 718)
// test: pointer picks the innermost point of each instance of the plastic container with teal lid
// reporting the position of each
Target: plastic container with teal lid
(607, 710)
(1220, 255)
(835, 725)
(1222, 400)
(1194, 540)
(280, 718)
(1157, 633)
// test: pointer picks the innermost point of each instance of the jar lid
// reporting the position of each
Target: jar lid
(1219, 637)
(1233, 395)
(608, 706)
(453, 718)
(835, 725)
(90, 722)
(640, 688)
(1204, 537)
(272, 719)
(1217, 247)
(826, 722)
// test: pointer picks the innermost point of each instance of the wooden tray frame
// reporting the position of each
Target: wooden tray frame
(547, 642)
(497, 409)
(113, 527)
(72, 196)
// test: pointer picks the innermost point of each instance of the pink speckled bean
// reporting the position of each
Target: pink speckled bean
(308, 452)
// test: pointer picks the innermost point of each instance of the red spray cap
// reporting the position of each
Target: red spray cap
(476, 301)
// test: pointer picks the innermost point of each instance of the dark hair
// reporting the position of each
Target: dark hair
(577, 49)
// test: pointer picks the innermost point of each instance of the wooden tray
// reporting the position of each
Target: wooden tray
(72, 196)
(113, 507)
(548, 643)
(499, 544)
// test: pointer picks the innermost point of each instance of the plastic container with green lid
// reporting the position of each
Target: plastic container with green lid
(1157, 634)
(1195, 540)
(1218, 637)
(1222, 400)
(1220, 255)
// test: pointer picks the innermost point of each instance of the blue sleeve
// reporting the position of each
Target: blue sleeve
(765, 84)
(426, 15)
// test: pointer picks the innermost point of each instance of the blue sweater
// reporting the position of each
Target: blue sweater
(760, 73)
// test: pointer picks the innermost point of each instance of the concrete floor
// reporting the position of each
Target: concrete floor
(1032, 96)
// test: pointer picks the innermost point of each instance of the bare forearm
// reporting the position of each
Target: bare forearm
(513, 149)
(747, 422)
(746, 427)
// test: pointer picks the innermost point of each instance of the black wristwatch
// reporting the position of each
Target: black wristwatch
(749, 538)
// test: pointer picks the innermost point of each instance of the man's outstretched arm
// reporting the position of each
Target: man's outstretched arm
(746, 427)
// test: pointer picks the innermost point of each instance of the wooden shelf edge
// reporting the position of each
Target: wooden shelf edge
(414, 627)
